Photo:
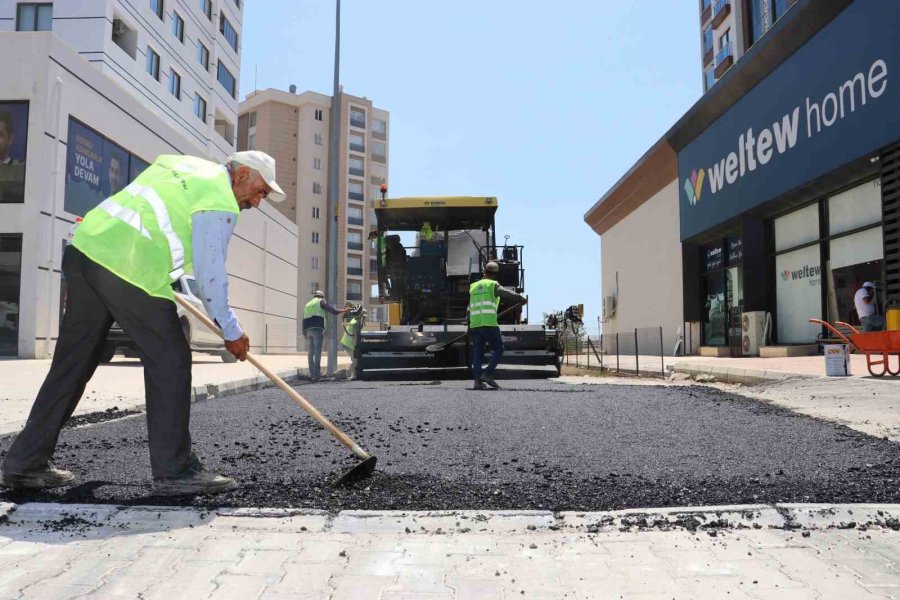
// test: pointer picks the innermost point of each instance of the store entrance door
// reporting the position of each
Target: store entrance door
(734, 299)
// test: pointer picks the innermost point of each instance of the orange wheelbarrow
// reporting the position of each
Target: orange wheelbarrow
(878, 346)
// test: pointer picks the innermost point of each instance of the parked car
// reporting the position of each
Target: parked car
(200, 338)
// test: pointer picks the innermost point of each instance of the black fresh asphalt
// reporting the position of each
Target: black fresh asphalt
(535, 445)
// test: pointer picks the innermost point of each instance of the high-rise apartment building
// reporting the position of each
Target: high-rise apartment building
(179, 58)
(294, 129)
(728, 28)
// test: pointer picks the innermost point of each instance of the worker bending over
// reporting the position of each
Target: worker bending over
(484, 298)
(176, 215)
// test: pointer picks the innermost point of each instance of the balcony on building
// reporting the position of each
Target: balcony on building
(358, 196)
(705, 11)
(355, 271)
(354, 296)
(357, 147)
(354, 246)
(721, 10)
(724, 60)
(355, 221)
(379, 158)
(708, 54)
(357, 172)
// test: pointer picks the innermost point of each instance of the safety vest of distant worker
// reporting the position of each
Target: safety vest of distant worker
(348, 340)
(382, 249)
(143, 233)
(483, 303)
(426, 233)
(314, 315)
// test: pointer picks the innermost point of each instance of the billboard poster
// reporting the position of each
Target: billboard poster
(85, 173)
(13, 147)
(137, 167)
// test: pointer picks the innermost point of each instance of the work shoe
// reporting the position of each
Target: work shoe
(48, 477)
(199, 483)
(490, 381)
(479, 385)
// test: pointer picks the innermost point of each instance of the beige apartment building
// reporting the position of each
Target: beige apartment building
(294, 128)
(729, 28)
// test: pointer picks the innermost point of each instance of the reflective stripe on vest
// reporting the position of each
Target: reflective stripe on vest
(483, 302)
(142, 234)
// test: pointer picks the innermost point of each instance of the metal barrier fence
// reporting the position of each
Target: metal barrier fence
(637, 352)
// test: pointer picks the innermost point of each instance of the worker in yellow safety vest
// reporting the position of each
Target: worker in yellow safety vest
(348, 340)
(314, 314)
(176, 216)
(484, 328)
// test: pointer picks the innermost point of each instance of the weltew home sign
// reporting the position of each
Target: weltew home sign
(836, 99)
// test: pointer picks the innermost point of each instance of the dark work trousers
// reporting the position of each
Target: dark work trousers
(96, 297)
(493, 338)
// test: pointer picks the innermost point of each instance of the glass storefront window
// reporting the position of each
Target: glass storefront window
(856, 207)
(797, 228)
(13, 145)
(10, 279)
(715, 310)
(855, 259)
(798, 291)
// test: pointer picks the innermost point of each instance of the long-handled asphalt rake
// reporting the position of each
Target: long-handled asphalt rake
(360, 471)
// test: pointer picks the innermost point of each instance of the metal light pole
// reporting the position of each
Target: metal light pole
(332, 199)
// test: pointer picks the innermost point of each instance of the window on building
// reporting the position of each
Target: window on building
(707, 39)
(724, 39)
(157, 7)
(314, 263)
(203, 55)
(704, 4)
(10, 283)
(34, 17)
(315, 212)
(354, 264)
(357, 142)
(206, 8)
(357, 117)
(357, 166)
(313, 287)
(317, 138)
(709, 77)
(237, 3)
(354, 290)
(178, 27)
(315, 237)
(252, 119)
(354, 215)
(227, 80)
(152, 63)
(355, 191)
(251, 141)
(175, 83)
(317, 164)
(317, 187)
(318, 114)
(379, 126)
(229, 32)
(379, 151)
(373, 266)
(200, 107)
(354, 236)
(14, 143)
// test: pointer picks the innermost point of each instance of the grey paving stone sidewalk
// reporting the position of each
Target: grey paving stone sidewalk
(757, 552)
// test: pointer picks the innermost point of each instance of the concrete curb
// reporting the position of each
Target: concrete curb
(708, 519)
(728, 374)
(260, 382)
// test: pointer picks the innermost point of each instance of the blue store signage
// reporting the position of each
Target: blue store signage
(833, 101)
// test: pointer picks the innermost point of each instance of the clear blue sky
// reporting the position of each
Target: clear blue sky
(544, 105)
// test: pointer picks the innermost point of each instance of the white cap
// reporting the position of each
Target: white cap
(263, 164)
(868, 284)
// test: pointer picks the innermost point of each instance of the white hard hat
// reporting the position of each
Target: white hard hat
(263, 164)
(319, 294)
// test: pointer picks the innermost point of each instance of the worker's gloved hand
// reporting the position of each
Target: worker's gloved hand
(239, 347)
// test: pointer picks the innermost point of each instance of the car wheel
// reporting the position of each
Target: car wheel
(108, 352)
(227, 357)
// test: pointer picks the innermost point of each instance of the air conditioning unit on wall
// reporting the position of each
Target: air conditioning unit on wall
(753, 331)
(609, 307)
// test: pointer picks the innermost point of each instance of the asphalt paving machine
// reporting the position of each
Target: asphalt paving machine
(426, 287)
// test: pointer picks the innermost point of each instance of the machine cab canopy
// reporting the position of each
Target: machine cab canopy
(449, 213)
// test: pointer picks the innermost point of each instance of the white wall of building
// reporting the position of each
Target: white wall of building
(58, 83)
(644, 251)
(87, 26)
